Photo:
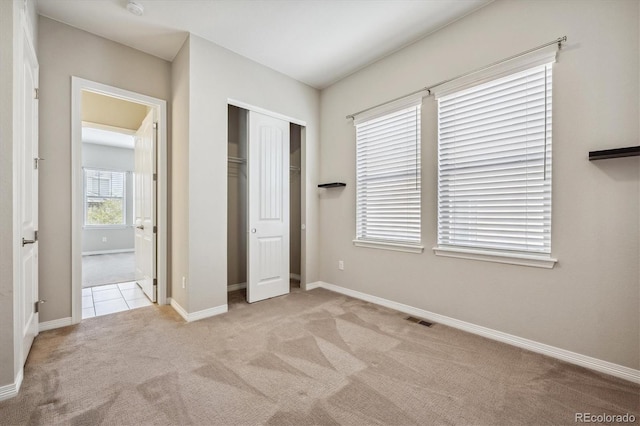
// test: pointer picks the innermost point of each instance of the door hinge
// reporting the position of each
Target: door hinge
(155, 124)
(36, 93)
(155, 177)
(155, 229)
(35, 235)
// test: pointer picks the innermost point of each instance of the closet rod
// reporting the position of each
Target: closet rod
(238, 160)
(557, 41)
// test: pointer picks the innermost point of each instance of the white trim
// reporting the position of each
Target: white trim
(77, 86)
(599, 365)
(234, 287)
(383, 245)
(102, 227)
(315, 284)
(295, 276)
(198, 315)
(19, 31)
(260, 110)
(390, 107)
(491, 256)
(50, 325)
(11, 390)
(91, 253)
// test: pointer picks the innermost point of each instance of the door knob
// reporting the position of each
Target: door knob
(25, 242)
(254, 230)
(140, 227)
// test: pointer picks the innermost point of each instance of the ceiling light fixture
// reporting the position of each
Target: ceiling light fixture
(135, 8)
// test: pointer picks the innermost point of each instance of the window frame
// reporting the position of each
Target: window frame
(524, 258)
(85, 198)
(413, 101)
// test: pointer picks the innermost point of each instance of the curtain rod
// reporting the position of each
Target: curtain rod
(428, 89)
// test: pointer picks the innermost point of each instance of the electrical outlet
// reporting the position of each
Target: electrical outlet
(341, 265)
(184, 282)
(104, 239)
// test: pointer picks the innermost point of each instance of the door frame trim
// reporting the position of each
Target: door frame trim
(77, 86)
(257, 109)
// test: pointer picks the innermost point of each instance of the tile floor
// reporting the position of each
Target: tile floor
(112, 298)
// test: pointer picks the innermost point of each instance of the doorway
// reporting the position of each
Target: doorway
(264, 173)
(119, 200)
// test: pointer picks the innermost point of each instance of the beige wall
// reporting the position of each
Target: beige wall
(93, 58)
(179, 160)
(589, 303)
(111, 111)
(217, 75)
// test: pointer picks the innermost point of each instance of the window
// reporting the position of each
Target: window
(494, 167)
(388, 179)
(104, 197)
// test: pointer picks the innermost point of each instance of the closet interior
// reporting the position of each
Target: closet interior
(238, 204)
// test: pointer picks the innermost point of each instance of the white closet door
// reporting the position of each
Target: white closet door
(28, 200)
(145, 212)
(268, 176)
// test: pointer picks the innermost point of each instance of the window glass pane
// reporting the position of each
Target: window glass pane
(104, 197)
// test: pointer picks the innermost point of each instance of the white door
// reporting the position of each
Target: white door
(268, 176)
(29, 199)
(145, 208)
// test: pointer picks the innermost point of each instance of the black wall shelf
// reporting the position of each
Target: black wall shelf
(630, 151)
(332, 185)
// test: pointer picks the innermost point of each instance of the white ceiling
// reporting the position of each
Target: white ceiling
(99, 136)
(317, 42)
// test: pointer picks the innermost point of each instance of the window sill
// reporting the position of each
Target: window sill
(407, 248)
(97, 227)
(489, 256)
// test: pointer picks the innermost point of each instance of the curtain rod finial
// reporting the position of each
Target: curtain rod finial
(561, 40)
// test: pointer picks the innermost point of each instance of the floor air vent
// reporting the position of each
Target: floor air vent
(419, 321)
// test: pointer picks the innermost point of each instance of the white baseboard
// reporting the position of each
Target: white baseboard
(315, 284)
(234, 287)
(50, 325)
(11, 390)
(599, 365)
(295, 276)
(91, 253)
(195, 316)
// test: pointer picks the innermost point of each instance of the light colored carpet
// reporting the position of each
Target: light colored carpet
(307, 358)
(101, 269)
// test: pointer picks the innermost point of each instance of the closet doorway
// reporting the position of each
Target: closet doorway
(264, 205)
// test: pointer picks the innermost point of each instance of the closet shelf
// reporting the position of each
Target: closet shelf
(332, 185)
(630, 151)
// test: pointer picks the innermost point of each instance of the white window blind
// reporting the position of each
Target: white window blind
(494, 164)
(388, 177)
